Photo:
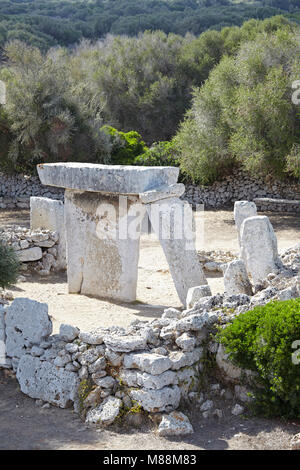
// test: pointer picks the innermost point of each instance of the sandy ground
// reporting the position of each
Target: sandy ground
(215, 231)
(24, 425)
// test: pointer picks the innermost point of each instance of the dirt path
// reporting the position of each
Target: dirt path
(25, 425)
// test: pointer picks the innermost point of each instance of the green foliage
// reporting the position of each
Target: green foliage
(159, 154)
(126, 146)
(48, 23)
(262, 340)
(244, 114)
(9, 265)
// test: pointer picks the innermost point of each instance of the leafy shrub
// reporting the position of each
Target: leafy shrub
(125, 145)
(160, 154)
(9, 265)
(262, 340)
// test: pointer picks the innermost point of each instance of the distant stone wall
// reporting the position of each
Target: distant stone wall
(16, 190)
(240, 186)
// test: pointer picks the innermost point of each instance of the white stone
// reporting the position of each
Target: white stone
(42, 380)
(27, 322)
(30, 254)
(237, 410)
(68, 332)
(122, 179)
(181, 359)
(134, 378)
(243, 210)
(173, 190)
(171, 313)
(102, 246)
(48, 214)
(186, 342)
(125, 343)
(236, 280)
(154, 364)
(196, 322)
(92, 337)
(173, 222)
(106, 413)
(259, 247)
(196, 293)
(175, 424)
(155, 401)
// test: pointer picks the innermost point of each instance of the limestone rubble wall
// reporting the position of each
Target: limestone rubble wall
(16, 190)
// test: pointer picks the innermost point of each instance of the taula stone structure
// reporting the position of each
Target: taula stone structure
(104, 208)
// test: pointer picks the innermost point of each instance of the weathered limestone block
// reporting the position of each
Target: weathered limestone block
(172, 220)
(30, 254)
(181, 359)
(106, 178)
(155, 401)
(102, 257)
(259, 247)
(48, 214)
(196, 293)
(243, 210)
(134, 378)
(175, 424)
(106, 412)
(43, 380)
(125, 343)
(173, 190)
(154, 364)
(27, 322)
(236, 280)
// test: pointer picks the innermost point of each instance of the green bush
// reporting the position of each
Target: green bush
(126, 146)
(160, 154)
(262, 340)
(9, 265)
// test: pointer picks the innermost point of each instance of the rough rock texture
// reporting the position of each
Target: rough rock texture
(196, 293)
(236, 280)
(172, 220)
(26, 322)
(165, 399)
(243, 210)
(102, 260)
(105, 413)
(173, 190)
(48, 214)
(41, 379)
(259, 247)
(175, 424)
(122, 179)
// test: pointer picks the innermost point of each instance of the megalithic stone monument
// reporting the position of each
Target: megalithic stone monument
(104, 208)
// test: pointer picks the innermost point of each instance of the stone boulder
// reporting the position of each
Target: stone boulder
(236, 280)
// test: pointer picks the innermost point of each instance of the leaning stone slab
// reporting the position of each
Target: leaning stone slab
(48, 214)
(173, 190)
(155, 401)
(27, 322)
(173, 222)
(42, 380)
(236, 280)
(106, 413)
(259, 247)
(30, 254)
(106, 178)
(154, 364)
(175, 424)
(125, 343)
(243, 210)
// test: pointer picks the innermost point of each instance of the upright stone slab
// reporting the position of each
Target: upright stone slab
(102, 256)
(236, 280)
(172, 221)
(48, 214)
(259, 247)
(243, 210)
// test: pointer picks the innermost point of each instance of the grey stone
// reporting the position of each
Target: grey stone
(30, 254)
(68, 332)
(196, 293)
(125, 343)
(236, 280)
(175, 424)
(154, 364)
(155, 401)
(106, 413)
(42, 380)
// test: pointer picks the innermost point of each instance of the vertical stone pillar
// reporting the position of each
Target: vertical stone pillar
(48, 214)
(259, 247)
(173, 222)
(103, 235)
(243, 210)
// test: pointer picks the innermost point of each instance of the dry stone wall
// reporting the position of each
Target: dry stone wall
(15, 191)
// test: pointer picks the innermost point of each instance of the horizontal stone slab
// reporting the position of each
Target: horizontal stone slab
(121, 179)
(266, 200)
